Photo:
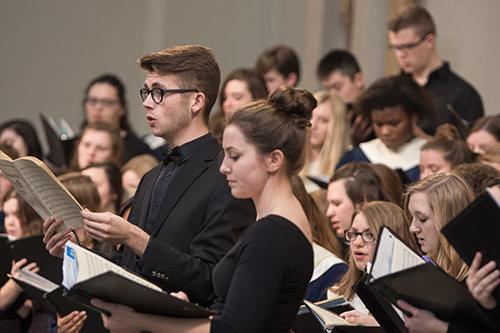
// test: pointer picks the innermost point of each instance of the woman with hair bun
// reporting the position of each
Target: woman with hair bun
(262, 280)
(445, 151)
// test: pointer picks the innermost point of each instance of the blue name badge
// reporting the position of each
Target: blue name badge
(70, 252)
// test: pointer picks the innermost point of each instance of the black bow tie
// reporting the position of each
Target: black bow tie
(174, 155)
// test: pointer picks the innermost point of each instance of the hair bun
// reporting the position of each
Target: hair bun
(296, 103)
(448, 132)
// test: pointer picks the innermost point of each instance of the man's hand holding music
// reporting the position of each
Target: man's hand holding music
(113, 229)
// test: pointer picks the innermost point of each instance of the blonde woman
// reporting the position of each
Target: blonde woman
(362, 237)
(328, 138)
(431, 204)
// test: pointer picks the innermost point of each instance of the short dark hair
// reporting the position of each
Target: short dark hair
(27, 131)
(254, 82)
(194, 65)
(413, 16)
(338, 60)
(121, 91)
(282, 58)
(398, 90)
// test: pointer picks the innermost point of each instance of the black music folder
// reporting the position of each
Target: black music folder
(88, 275)
(328, 320)
(60, 138)
(33, 249)
(476, 228)
(428, 287)
(49, 296)
(305, 321)
(110, 286)
(5, 259)
(396, 273)
(65, 305)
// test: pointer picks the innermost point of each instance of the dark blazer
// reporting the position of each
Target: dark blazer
(194, 230)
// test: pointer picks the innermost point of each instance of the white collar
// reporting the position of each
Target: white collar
(405, 158)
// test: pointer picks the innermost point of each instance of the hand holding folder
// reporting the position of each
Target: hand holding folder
(477, 228)
(87, 275)
(41, 189)
(419, 283)
(482, 281)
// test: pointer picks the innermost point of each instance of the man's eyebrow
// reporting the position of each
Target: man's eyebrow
(155, 85)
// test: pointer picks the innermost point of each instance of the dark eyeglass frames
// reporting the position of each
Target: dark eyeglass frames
(409, 46)
(367, 236)
(158, 93)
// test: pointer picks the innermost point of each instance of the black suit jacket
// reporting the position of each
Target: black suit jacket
(194, 230)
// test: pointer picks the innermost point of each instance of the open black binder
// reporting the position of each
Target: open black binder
(477, 228)
(33, 249)
(60, 145)
(5, 259)
(425, 286)
(54, 302)
(305, 322)
(310, 321)
(110, 287)
(65, 305)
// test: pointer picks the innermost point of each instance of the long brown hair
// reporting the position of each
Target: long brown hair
(321, 230)
(447, 196)
(31, 223)
(377, 214)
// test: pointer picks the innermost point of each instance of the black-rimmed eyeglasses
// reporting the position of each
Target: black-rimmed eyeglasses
(409, 46)
(158, 93)
(367, 236)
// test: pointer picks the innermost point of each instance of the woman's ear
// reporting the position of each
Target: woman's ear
(274, 160)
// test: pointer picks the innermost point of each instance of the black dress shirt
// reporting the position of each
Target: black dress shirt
(172, 162)
(452, 97)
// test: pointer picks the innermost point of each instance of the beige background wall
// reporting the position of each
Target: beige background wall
(50, 49)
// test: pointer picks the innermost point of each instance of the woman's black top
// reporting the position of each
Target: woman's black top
(261, 282)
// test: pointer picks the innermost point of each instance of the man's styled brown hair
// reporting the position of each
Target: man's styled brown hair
(413, 16)
(282, 58)
(194, 65)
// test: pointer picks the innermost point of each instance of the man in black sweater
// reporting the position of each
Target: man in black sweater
(412, 37)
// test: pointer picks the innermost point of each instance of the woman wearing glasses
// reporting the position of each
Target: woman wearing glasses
(105, 102)
(362, 238)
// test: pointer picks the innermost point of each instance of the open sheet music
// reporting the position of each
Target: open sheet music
(87, 275)
(81, 264)
(392, 255)
(328, 319)
(41, 189)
